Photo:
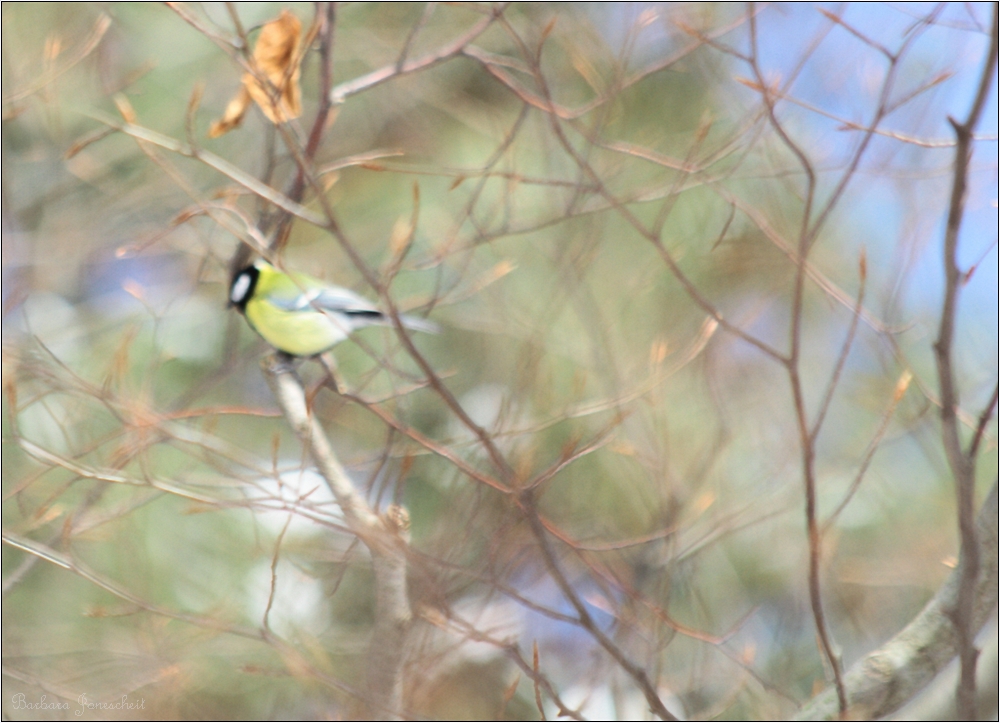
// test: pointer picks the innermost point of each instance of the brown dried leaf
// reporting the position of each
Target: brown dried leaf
(277, 58)
(658, 352)
(274, 87)
(53, 47)
(233, 116)
(400, 238)
(703, 502)
(330, 179)
(497, 272)
(904, 381)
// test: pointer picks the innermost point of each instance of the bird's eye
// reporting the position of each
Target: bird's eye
(240, 288)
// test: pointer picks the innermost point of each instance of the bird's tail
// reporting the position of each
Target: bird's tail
(417, 323)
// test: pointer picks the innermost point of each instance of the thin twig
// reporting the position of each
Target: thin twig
(845, 349)
(904, 382)
(90, 44)
(792, 365)
(344, 90)
(984, 419)
(584, 620)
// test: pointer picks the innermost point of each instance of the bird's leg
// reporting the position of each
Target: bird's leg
(280, 362)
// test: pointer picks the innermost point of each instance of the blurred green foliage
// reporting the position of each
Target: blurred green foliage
(141, 443)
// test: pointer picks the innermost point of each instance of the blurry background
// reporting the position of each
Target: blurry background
(144, 457)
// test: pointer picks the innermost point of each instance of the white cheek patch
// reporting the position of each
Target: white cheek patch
(240, 288)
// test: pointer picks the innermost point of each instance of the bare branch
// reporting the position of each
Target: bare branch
(962, 466)
(86, 48)
(343, 91)
(385, 536)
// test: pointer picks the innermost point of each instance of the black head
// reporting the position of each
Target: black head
(242, 287)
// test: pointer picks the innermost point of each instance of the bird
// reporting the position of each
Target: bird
(302, 316)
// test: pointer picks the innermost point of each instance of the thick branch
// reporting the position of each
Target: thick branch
(887, 678)
(385, 536)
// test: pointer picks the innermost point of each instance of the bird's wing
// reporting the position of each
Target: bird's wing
(335, 298)
(293, 297)
(362, 312)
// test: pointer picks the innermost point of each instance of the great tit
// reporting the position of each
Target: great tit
(303, 316)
